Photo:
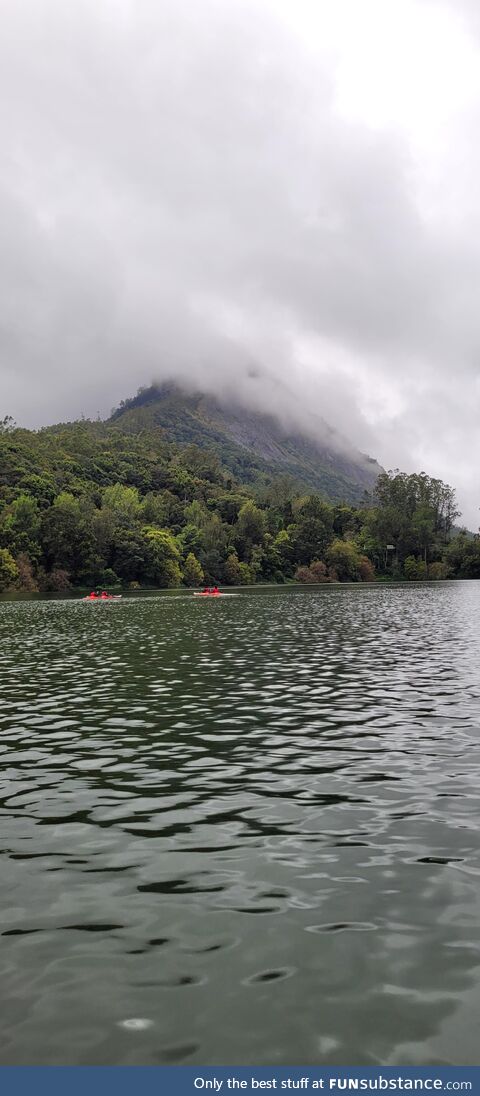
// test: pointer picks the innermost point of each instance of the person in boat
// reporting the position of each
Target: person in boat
(206, 590)
(215, 590)
(93, 595)
(104, 594)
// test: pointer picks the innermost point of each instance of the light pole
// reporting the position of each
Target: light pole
(388, 548)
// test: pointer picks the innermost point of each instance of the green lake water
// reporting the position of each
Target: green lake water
(241, 831)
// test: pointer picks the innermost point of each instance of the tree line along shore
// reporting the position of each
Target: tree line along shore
(85, 504)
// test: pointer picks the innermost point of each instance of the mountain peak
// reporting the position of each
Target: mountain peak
(252, 443)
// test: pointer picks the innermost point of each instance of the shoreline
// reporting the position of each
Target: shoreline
(78, 592)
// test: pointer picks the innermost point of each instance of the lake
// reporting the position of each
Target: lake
(241, 831)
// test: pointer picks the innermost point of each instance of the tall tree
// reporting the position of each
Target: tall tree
(313, 531)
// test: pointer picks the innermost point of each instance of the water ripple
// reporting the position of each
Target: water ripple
(252, 823)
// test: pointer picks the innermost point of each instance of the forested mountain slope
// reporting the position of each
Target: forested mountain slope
(252, 444)
(119, 502)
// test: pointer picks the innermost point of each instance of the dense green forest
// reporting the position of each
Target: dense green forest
(87, 504)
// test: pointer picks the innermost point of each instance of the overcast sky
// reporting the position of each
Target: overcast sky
(279, 195)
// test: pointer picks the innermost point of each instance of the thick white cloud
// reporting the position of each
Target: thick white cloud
(191, 189)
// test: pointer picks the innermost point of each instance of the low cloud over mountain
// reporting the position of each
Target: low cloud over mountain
(280, 200)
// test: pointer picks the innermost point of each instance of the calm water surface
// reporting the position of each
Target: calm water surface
(251, 823)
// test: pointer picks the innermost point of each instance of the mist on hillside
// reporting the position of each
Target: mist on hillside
(253, 199)
(254, 390)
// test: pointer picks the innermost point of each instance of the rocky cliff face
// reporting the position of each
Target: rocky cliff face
(252, 444)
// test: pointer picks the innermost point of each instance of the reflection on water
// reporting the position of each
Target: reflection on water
(241, 831)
